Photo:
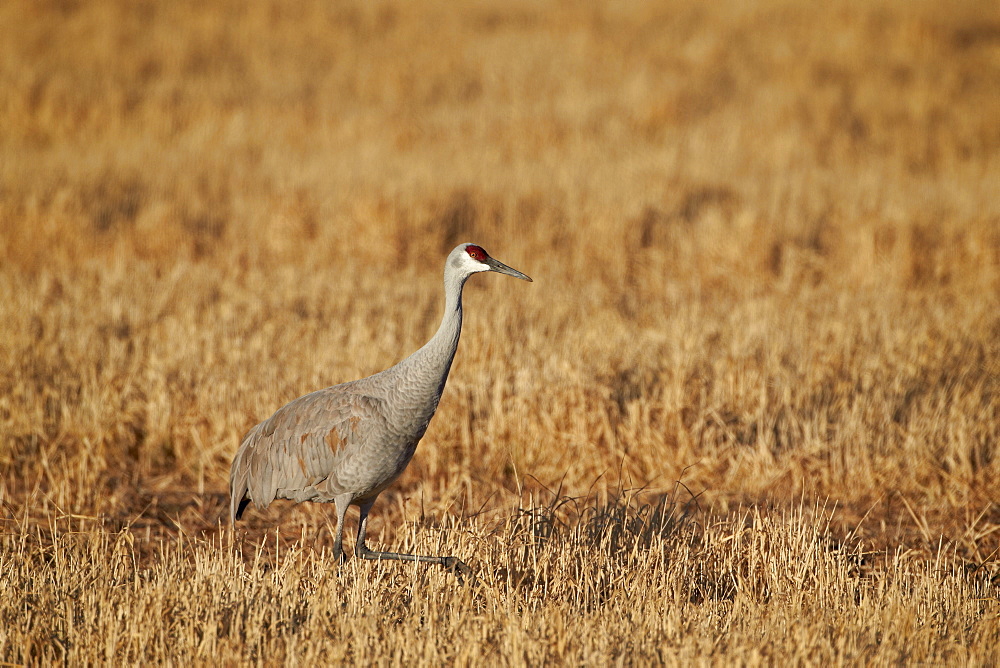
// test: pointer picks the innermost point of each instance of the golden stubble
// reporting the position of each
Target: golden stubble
(765, 243)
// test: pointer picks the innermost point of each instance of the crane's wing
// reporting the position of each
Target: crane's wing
(300, 445)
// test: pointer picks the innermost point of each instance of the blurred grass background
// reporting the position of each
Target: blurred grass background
(765, 239)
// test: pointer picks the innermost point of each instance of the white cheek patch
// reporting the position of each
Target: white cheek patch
(473, 265)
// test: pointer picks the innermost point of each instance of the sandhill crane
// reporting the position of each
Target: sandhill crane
(349, 442)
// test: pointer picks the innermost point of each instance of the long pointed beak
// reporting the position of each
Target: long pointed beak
(496, 265)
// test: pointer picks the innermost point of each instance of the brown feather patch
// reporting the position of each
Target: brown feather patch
(334, 440)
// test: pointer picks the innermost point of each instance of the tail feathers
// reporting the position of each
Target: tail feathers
(236, 512)
(238, 487)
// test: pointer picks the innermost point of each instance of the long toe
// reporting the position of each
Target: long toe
(459, 569)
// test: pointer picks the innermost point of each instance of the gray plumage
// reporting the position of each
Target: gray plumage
(347, 443)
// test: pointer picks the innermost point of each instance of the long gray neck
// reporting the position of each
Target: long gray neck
(423, 374)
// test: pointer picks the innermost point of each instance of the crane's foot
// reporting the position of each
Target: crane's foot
(459, 569)
(452, 565)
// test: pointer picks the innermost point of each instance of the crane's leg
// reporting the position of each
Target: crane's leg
(342, 503)
(450, 564)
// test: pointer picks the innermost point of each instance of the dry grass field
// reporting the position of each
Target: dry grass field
(747, 413)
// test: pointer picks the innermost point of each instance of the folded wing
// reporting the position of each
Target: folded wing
(301, 445)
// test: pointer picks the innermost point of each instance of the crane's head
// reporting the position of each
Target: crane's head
(471, 259)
